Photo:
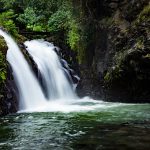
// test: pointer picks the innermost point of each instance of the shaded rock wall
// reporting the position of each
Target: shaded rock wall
(120, 61)
(8, 91)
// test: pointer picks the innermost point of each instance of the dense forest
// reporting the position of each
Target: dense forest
(107, 42)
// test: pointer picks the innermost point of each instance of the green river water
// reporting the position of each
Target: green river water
(120, 127)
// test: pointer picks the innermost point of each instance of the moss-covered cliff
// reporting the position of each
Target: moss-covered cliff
(8, 101)
(117, 57)
(3, 67)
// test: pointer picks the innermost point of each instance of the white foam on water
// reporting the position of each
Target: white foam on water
(61, 95)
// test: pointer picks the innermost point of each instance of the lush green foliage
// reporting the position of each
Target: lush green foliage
(2, 68)
(58, 21)
(48, 15)
(32, 22)
(7, 22)
(3, 65)
(73, 34)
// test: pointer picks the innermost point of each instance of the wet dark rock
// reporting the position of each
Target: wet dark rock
(8, 90)
(9, 100)
(113, 5)
(119, 65)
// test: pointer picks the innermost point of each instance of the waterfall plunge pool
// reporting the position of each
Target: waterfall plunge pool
(119, 127)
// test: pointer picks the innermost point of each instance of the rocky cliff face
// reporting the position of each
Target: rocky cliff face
(119, 62)
(8, 100)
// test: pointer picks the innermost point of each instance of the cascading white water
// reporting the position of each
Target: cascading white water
(30, 92)
(31, 96)
(53, 76)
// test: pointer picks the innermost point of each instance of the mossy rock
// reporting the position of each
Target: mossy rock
(144, 15)
(3, 46)
(3, 63)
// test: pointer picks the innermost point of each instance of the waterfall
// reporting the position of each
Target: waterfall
(30, 92)
(54, 78)
(58, 93)
(31, 95)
